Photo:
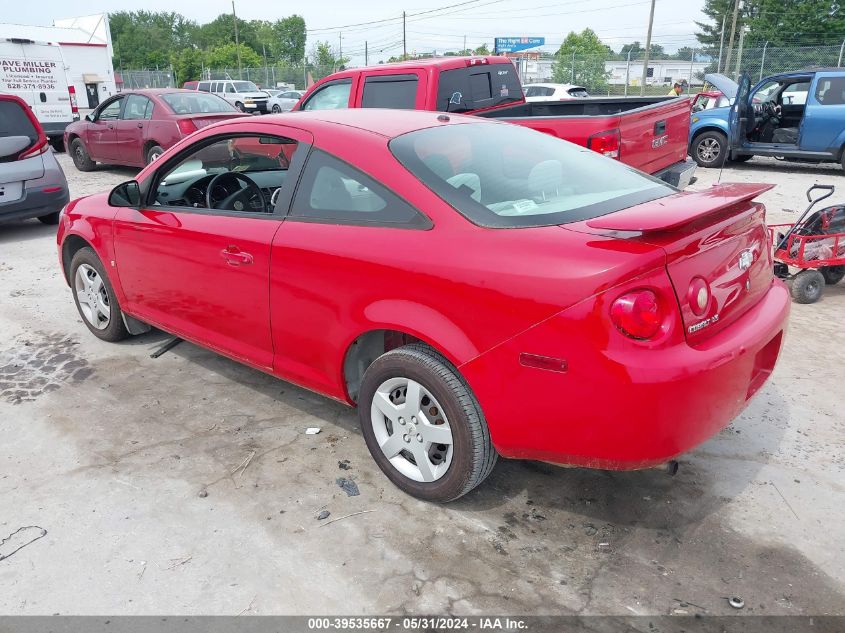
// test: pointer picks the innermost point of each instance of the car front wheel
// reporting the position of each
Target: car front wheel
(80, 156)
(710, 149)
(95, 298)
(423, 426)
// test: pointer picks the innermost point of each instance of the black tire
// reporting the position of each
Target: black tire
(473, 455)
(240, 106)
(741, 158)
(50, 218)
(80, 156)
(277, 109)
(709, 149)
(807, 286)
(58, 144)
(153, 153)
(116, 328)
(832, 274)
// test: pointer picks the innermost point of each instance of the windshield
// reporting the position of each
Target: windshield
(245, 86)
(504, 175)
(196, 103)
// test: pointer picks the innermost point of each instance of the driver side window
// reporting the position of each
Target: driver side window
(110, 112)
(332, 96)
(235, 174)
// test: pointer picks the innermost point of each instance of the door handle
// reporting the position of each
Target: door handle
(140, 125)
(236, 257)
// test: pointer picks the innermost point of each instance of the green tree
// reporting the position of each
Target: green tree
(187, 64)
(289, 42)
(324, 60)
(481, 50)
(145, 39)
(638, 51)
(580, 59)
(226, 56)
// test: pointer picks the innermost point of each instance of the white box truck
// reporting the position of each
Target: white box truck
(35, 72)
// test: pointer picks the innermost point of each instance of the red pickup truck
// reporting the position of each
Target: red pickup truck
(648, 133)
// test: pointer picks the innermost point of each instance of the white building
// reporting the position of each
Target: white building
(662, 71)
(87, 51)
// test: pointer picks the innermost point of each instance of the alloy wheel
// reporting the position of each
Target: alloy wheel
(92, 296)
(411, 429)
(709, 150)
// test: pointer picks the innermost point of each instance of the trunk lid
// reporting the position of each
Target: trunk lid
(719, 236)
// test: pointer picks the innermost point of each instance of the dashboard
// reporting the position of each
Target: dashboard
(193, 191)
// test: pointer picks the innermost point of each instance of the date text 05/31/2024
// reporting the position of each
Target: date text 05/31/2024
(417, 623)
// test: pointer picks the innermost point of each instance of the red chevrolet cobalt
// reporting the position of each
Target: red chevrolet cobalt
(475, 288)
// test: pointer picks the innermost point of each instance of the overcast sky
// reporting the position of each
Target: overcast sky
(616, 21)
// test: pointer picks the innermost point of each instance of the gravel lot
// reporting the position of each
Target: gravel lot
(108, 451)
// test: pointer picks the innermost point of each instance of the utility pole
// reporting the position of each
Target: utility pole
(731, 40)
(340, 44)
(627, 72)
(366, 56)
(739, 52)
(464, 49)
(647, 47)
(237, 40)
(404, 40)
(721, 44)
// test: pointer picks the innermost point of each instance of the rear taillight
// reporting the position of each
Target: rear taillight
(698, 295)
(41, 146)
(74, 107)
(637, 314)
(186, 126)
(605, 143)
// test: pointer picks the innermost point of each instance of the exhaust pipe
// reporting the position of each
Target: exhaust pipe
(670, 467)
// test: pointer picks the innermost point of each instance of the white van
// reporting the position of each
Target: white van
(244, 95)
(35, 72)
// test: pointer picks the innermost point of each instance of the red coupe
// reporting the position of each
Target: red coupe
(476, 288)
(135, 127)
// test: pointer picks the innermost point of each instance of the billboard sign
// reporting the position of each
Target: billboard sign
(516, 44)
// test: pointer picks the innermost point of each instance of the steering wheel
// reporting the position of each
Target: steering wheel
(772, 109)
(238, 201)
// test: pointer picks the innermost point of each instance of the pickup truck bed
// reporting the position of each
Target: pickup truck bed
(652, 130)
(648, 133)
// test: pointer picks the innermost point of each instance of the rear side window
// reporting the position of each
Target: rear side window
(188, 103)
(831, 91)
(476, 87)
(15, 122)
(333, 191)
(505, 175)
(331, 96)
(137, 107)
(539, 91)
(398, 92)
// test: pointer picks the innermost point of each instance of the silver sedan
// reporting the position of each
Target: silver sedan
(284, 101)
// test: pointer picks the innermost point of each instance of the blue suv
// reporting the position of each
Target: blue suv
(797, 116)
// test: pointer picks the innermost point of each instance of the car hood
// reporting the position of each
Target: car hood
(727, 85)
(254, 95)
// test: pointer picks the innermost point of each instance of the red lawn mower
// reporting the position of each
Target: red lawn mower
(815, 245)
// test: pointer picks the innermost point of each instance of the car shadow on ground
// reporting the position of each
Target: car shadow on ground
(825, 169)
(645, 498)
(25, 230)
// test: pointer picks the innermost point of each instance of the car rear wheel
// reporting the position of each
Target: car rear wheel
(80, 156)
(95, 298)
(807, 286)
(710, 149)
(276, 108)
(154, 153)
(423, 426)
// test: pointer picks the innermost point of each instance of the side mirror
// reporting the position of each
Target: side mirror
(13, 145)
(89, 118)
(126, 194)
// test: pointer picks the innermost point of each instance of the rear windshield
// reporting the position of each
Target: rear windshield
(476, 87)
(15, 122)
(504, 175)
(196, 103)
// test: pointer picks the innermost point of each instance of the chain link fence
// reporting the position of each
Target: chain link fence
(139, 79)
(296, 75)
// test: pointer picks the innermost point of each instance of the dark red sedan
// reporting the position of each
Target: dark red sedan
(477, 289)
(135, 127)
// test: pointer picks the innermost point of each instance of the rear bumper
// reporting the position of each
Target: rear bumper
(678, 175)
(35, 203)
(622, 406)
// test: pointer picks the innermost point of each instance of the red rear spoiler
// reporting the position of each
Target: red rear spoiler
(674, 211)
